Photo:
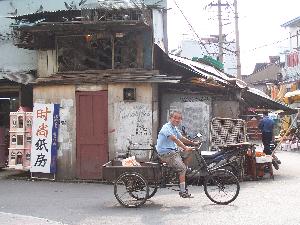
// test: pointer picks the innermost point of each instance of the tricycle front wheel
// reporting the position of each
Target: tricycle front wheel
(221, 186)
(131, 190)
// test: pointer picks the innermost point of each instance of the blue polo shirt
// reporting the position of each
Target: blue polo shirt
(266, 125)
(164, 144)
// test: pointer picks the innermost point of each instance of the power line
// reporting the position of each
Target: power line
(199, 39)
(269, 44)
(191, 27)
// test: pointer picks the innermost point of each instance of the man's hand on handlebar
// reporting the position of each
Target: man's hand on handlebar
(188, 149)
(196, 143)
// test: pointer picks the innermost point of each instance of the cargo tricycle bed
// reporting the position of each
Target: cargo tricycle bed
(133, 185)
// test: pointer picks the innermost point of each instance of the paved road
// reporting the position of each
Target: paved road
(264, 202)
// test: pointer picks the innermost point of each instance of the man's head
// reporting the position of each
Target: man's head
(175, 118)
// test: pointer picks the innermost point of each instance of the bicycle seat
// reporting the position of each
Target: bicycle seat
(239, 144)
(215, 155)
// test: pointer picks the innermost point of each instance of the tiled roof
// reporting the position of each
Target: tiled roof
(259, 66)
(267, 73)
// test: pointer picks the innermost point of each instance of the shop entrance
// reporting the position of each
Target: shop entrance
(12, 96)
(9, 102)
(91, 132)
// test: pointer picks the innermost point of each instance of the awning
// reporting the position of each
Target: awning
(292, 94)
(257, 99)
(22, 77)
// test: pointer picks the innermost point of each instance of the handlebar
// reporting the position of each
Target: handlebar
(196, 147)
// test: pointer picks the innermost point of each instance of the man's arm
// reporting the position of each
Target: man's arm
(188, 141)
(180, 143)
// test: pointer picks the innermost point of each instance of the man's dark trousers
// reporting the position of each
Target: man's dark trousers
(266, 140)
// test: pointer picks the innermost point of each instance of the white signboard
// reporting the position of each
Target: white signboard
(44, 138)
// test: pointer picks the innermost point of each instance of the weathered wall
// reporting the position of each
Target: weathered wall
(130, 119)
(226, 109)
(155, 112)
(159, 29)
(13, 59)
(47, 63)
(65, 96)
(196, 110)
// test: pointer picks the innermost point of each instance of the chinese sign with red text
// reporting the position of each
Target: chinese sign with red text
(44, 138)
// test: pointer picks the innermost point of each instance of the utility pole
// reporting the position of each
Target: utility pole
(220, 32)
(237, 36)
(221, 37)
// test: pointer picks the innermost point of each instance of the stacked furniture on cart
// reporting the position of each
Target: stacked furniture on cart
(228, 133)
(253, 132)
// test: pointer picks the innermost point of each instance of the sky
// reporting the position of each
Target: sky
(261, 34)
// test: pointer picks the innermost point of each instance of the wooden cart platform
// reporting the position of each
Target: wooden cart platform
(149, 170)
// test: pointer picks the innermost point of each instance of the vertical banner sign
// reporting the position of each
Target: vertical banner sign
(44, 138)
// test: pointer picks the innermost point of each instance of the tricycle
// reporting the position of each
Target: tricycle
(134, 185)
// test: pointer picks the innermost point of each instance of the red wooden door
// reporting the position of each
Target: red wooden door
(91, 133)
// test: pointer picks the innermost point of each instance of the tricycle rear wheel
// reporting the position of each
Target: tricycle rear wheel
(152, 190)
(131, 189)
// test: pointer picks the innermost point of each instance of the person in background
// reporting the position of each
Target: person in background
(266, 126)
(168, 141)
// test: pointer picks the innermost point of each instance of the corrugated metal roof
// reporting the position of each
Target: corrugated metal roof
(39, 15)
(256, 98)
(292, 23)
(114, 4)
(203, 69)
(105, 5)
(252, 97)
(101, 4)
(259, 92)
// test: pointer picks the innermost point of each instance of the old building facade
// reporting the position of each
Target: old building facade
(108, 68)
